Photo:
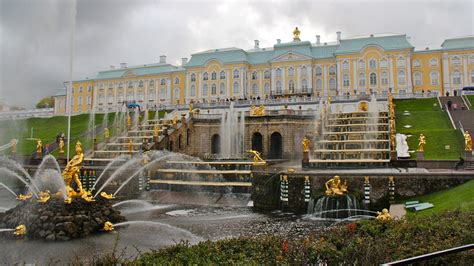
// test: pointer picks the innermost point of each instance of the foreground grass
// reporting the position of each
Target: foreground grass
(470, 98)
(426, 117)
(460, 197)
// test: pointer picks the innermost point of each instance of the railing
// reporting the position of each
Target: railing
(431, 255)
(45, 112)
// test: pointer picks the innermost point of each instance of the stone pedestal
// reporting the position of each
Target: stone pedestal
(393, 155)
(155, 139)
(468, 156)
(420, 155)
(305, 161)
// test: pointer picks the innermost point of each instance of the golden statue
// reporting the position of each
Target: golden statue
(155, 131)
(106, 133)
(257, 158)
(61, 145)
(71, 172)
(175, 119)
(306, 143)
(421, 143)
(384, 215)
(366, 179)
(24, 197)
(20, 230)
(190, 107)
(257, 111)
(130, 145)
(108, 226)
(393, 142)
(43, 196)
(363, 106)
(87, 196)
(129, 121)
(14, 142)
(107, 196)
(39, 146)
(296, 34)
(334, 187)
(467, 141)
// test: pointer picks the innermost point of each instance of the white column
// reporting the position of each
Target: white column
(242, 87)
(198, 85)
(260, 90)
(298, 79)
(168, 88)
(283, 77)
(325, 82)
(390, 74)
(466, 76)
(187, 89)
(410, 86)
(146, 93)
(354, 73)
(446, 76)
(310, 78)
(272, 86)
(228, 90)
(338, 76)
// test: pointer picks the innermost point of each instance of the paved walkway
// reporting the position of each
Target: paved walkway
(397, 211)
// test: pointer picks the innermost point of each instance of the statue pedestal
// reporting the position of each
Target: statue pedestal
(305, 161)
(393, 155)
(468, 156)
(155, 139)
(420, 155)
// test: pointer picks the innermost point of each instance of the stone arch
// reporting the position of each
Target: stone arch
(257, 142)
(215, 144)
(276, 146)
(188, 136)
(180, 144)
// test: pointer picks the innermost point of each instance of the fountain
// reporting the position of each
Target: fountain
(232, 130)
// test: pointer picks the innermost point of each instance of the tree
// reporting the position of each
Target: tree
(46, 102)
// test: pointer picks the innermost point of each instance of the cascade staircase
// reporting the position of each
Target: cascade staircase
(460, 112)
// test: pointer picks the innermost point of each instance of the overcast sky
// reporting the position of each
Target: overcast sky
(35, 35)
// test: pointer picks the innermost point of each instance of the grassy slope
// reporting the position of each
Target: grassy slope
(470, 98)
(458, 197)
(426, 117)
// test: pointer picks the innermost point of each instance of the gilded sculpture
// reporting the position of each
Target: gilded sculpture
(130, 145)
(20, 230)
(71, 173)
(155, 131)
(335, 187)
(108, 226)
(13, 143)
(306, 144)
(257, 111)
(257, 158)
(44, 196)
(106, 133)
(39, 146)
(129, 122)
(296, 34)
(24, 197)
(467, 141)
(421, 143)
(384, 215)
(61, 145)
(106, 195)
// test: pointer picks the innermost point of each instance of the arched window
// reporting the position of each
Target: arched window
(188, 136)
(362, 79)
(111, 85)
(79, 100)
(254, 75)
(266, 75)
(417, 63)
(318, 71)
(214, 76)
(163, 82)
(319, 84)
(205, 76)
(163, 94)
(384, 78)
(456, 60)
(267, 88)
(222, 75)
(401, 62)
(213, 89)
(372, 63)
(291, 86)
(291, 71)
(304, 86)
(345, 65)
(433, 62)
(205, 90)
(254, 89)
(193, 91)
(176, 81)
(332, 83)
(193, 77)
(332, 70)
(361, 64)
(140, 84)
(152, 83)
(345, 80)
(236, 74)
(222, 89)
(456, 78)
(401, 77)
(384, 63)
(279, 89)
(417, 78)
(373, 79)
(151, 94)
(304, 72)
(278, 72)
(176, 93)
(434, 78)
(130, 84)
(236, 88)
(80, 89)
(120, 86)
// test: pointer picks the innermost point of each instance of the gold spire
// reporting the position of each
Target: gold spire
(296, 34)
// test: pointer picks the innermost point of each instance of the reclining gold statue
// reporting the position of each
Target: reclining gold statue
(334, 187)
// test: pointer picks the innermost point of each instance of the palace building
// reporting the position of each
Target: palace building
(374, 64)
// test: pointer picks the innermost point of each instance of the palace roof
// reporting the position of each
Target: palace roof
(142, 70)
(458, 43)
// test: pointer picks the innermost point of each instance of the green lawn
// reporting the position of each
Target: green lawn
(470, 98)
(426, 117)
(460, 197)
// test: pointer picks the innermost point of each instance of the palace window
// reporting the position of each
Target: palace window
(433, 62)
(304, 86)
(471, 59)
(254, 75)
(373, 79)
(254, 89)
(318, 71)
(236, 88)
(384, 78)
(472, 76)
(456, 78)
(345, 80)
(236, 74)
(89, 100)
(384, 63)
(176, 81)
(193, 77)
(401, 77)
(361, 64)
(151, 94)
(213, 89)
(456, 60)
(80, 89)
(332, 83)
(79, 100)
(401, 62)
(304, 71)
(163, 94)
(372, 63)
(222, 75)
(204, 90)
(278, 72)
(163, 82)
(222, 89)
(279, 89)
(291, 72)
(101, 86)
(120, 85)
(152, 83)
(140, 84)
(319, 84)
(130, 84)
(291, 86)
(345, 65)
(213, 76)
(417, 63)
(267, 88)
(176, 93)
(362, 79)
(266, 74)
(332, 70)
(205, 76)
(193, 91)
(111, 97)
(417, 78)
(89, 89)
(434, 78)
